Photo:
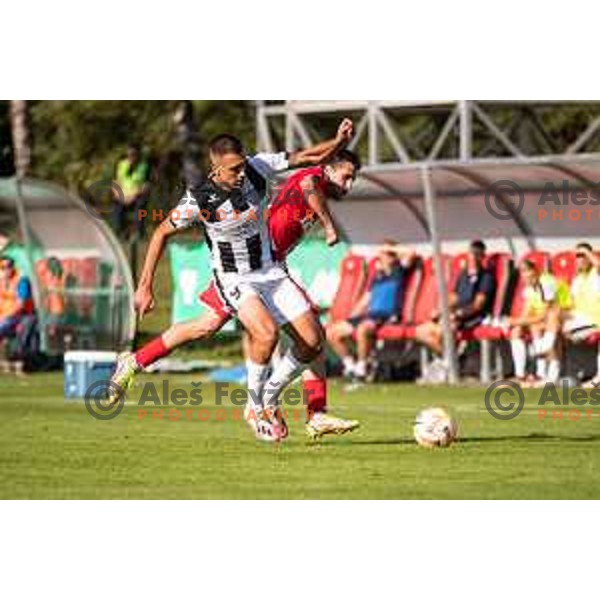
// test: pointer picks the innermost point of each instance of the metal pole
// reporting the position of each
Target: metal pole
(290, 140)
(466, 130)
(449, 347)
(35, 288)
(264, 143)
(373, 134)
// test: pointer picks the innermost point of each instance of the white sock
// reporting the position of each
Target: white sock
(546, 343)
(361, 368)
(287, 370)
(540, 368)
(257, 377)
(349, 364)
(553, 370)
(277, 355)
(519, 356)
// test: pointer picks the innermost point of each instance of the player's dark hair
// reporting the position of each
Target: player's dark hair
(346, 155)
(8, 259)
(478, 245)
(225, 144)
(584, 246)
(529, 265)
(55, 266)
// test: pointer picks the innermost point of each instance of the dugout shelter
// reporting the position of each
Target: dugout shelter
(80, 279)
(438, 174)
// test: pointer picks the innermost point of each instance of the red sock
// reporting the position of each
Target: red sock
(315, 394)
(151, 352)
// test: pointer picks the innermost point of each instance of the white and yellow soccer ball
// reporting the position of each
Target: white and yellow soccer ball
(435, 427)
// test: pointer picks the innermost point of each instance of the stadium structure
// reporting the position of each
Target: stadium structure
(45, 223)
(438, 174)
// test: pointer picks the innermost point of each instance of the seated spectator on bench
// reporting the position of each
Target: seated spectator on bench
(15, 298)
(381, 302)
(470, 302)
(583, 316)
(543, 299)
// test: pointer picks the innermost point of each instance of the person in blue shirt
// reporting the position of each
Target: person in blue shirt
(469, 303)
(381, 302)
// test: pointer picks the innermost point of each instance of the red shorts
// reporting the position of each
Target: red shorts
(212, 298)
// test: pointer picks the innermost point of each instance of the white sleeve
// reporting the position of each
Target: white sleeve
(548, 290)
(268, 164)
(186, 213)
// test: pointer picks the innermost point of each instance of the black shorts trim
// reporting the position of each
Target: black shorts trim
(222, 293)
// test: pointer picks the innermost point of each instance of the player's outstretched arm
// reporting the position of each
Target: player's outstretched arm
(322, 152)
(144, 297)
(317, 202)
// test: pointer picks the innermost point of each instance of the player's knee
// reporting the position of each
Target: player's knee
(265, 335)
(422, 332)
(310, 347)
(364, 329)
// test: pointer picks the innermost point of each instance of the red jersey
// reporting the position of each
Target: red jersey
(289, 218)
(290, 215)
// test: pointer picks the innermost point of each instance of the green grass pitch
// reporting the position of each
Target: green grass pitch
(50, 448)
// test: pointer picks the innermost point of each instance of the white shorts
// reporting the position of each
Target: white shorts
(578, 326)
(284, 300)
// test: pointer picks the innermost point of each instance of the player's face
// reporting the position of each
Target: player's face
(475, 259)
(228, 170)
(340, 178)
(132, 155)
(387, 260)
(530, 277)
(582, 262)
(6, 270)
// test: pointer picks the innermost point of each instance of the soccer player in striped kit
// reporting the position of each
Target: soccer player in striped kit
(229, 205)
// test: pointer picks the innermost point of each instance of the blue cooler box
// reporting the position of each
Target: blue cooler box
(83, 368)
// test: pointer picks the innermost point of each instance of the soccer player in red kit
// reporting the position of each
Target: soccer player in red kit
(299, 202)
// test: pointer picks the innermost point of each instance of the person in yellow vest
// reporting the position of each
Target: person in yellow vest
(133, 180)
(543, 299)
(15, 298)
(583, 314)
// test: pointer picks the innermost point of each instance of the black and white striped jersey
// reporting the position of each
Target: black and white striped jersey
(234, 221)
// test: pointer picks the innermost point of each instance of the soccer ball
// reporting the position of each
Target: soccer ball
(435, 427)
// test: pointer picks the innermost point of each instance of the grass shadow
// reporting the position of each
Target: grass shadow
(531, 437)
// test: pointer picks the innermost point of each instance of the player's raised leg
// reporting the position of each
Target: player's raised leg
(131, 363)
